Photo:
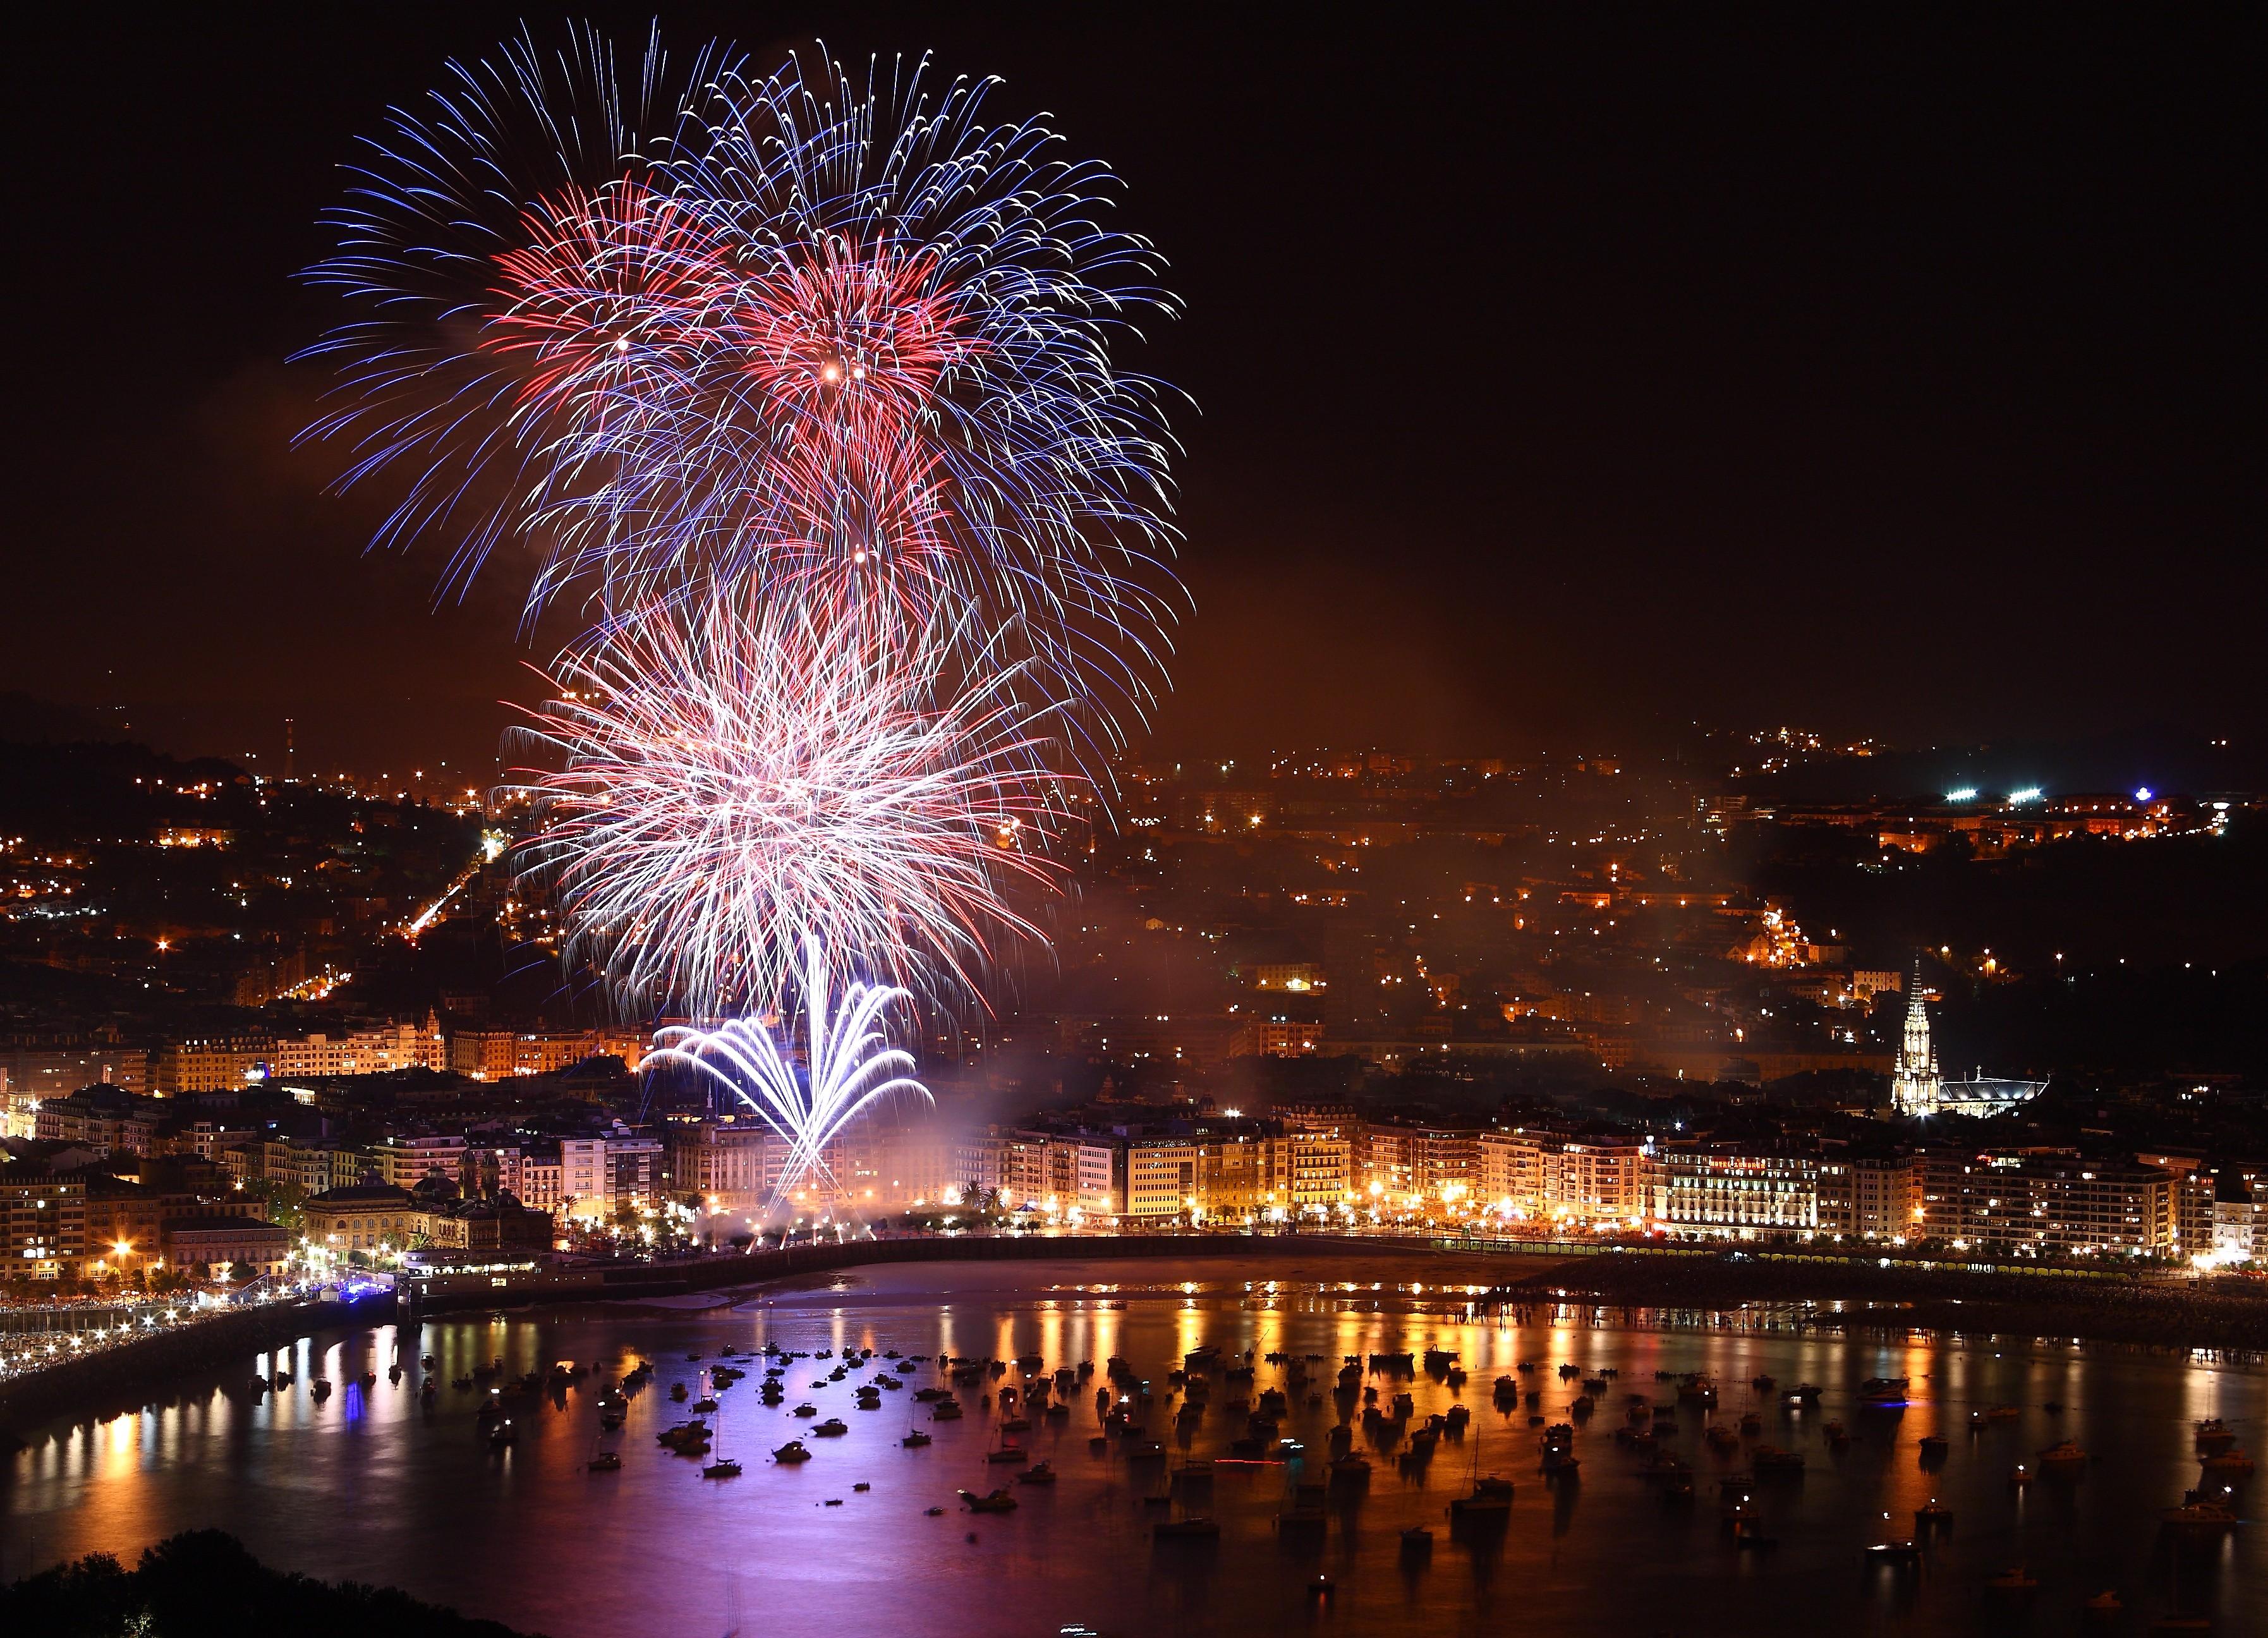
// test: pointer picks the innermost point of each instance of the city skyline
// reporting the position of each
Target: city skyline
(1392, 828)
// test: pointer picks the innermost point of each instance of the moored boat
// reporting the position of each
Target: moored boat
(2199, 1517)
(1191, 1528)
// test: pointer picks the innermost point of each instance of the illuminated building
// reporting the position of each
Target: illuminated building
(1409, 1166)
(222, 1243)
(494, 1054)
(1870, 1198)
(1915, 1086)
(2056, 1203)
(1321, 1177)
(313, 1164)
(102, 1118)
(1161, 1176)
(364, 1217)
(1571, 1179)
(1707, 1193)
(731, 1167)
(211, 1066)
(1298, 976)
(43, 1223)
(375, 1049)
(404, 1162)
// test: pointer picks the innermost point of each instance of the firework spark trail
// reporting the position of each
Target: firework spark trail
(850, 1064)
(730, 777)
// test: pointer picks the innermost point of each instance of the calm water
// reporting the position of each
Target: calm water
(373, 1486)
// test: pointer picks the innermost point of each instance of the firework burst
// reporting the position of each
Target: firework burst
(849, 1064)
(839, 339)
(727, 777)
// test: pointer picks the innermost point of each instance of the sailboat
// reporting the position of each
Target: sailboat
(1490, 1496)
(724, 1466)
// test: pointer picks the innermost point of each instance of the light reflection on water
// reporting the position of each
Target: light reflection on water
(372, 1485)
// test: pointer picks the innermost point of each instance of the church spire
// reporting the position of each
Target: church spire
(1916, 1087)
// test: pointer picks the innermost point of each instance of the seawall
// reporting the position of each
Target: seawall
(124, 1378)
(455, 1294)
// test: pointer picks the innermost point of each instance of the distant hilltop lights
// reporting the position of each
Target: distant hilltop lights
(2015, 799)
(1963, 794)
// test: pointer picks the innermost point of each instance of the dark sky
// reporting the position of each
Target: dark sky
(1555, 379)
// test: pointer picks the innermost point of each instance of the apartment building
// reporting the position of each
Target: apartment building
(1575, 1179)
(2055, 1203)
(102, 1118)
(226, 1064)
(1161, 1176)
(314, 1164)
(406, 1161)
(374, 1050)
(1321, 1176)
(1870, 1198)
(43, 1223)
(731, 1167)
(495, 1054)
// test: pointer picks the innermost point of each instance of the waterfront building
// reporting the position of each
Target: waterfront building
(1870, 1198)
(1411, 1167)
(365, 1217)
(42, 1222)
(2054, 1203)
(221, 1243)
(1320, 1178)
(1593, 1180)
(2240, 1230)
(1161, 1176)
(730, 1167)
(125, 1224)
(1714, 1194)
(1511, 1167)
(634, 1171)
(586, 1185)
(499, 1224)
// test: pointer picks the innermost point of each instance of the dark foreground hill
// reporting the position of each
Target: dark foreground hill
(203, 1584)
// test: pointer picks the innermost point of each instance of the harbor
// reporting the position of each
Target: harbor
(1157, 1447)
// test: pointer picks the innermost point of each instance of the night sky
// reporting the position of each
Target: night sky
(1555, 382)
